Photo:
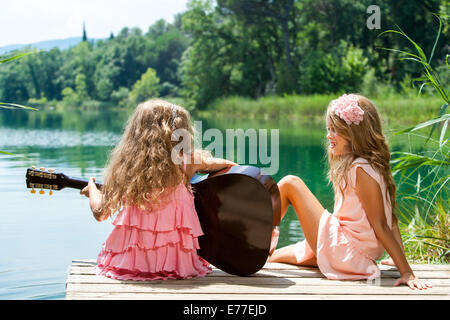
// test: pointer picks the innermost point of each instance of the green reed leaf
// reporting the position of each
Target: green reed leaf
(418, 48)
(7, 105)
(424, 124)
(15, 57)
(443, 131)
(8, 153)
(437, 37)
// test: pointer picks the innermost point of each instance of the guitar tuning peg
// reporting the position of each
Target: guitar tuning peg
(33, 191)
(41, 192)
(42, 168)
(51, 170)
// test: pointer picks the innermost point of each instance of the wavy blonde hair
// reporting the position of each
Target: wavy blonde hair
(367, 141)
(140, 167)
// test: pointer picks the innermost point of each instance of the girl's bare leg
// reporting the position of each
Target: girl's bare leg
(287, 255)
(309, 211)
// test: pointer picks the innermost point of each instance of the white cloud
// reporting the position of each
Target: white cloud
(29, 21)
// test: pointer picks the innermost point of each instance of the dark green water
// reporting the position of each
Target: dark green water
(41, 234)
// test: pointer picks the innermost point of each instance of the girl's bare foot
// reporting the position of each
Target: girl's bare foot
(388, 262)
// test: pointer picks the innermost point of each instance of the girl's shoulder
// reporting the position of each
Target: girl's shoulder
(366, 166)
(359, 160)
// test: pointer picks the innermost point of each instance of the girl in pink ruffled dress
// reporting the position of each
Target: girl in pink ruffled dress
(156, 230)
(346, 244)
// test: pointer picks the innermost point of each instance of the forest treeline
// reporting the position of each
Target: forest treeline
(249, 48)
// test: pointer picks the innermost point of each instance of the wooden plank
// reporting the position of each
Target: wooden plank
(219, 273)
(274, 281)
(443, 267)
(207, 296)
(288, 287)
(210, 279)
(421, 267)
(301, 273)
(284, 266)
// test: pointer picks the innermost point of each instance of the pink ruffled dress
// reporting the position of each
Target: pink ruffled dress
(347, 247)
(157, 245)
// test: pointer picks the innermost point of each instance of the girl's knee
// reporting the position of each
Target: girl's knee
(290, 180)
(284, 255)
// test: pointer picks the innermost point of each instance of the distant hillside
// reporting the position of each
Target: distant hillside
(44, 45)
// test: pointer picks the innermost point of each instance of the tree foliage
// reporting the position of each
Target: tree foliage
(146, 87)
(248, 48)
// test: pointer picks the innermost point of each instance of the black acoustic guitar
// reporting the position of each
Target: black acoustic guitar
(238, 209)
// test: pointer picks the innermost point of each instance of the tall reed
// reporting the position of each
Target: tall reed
(424, 173)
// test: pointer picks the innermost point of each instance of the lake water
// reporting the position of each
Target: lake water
(41, 234)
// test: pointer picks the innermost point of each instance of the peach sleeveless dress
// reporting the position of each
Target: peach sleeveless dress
(157, 245)
(347, 248)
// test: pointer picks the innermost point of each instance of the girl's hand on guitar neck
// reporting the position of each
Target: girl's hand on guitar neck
(95, 199)
(86, 191)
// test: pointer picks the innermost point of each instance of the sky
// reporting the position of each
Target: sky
(29, 21)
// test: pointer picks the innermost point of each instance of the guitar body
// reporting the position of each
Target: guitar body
(238, 209)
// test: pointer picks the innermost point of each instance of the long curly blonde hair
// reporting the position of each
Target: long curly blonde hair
(140, 168)
(367, 141)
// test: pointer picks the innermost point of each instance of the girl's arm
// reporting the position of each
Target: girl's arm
(95, 200)
(396, 231)
(397, 237)
(201, 163)
(369, 193)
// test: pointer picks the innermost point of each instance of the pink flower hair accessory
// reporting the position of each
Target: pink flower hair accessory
(346, 107)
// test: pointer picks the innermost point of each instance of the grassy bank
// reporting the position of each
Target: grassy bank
(395, 109)
(398, 109)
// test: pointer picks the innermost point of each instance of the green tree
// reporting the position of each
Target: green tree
(84, 38)
(224, 58)
(259, 13)
(228, 47)
(14, 83)
(81, 87)
(42, 69)
(9, 105)
(120, 97)
(340, 71)
(77, 60)
(274, 25)
(203, 63)
(168, 43)
(70, 98)
(146, 87)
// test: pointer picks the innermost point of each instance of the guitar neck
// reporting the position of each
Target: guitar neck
(77, 183)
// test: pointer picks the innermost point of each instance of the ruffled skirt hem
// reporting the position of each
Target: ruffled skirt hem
(156, 245)
(168, 262)
(124, 274)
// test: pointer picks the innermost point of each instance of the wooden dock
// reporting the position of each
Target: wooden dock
(275, 281)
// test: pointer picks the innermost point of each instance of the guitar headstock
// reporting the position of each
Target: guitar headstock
(44, 179)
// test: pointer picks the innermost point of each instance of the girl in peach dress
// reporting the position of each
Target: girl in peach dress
(155, 234)
(346, 244)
